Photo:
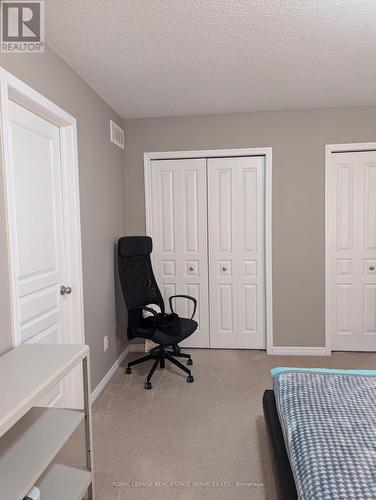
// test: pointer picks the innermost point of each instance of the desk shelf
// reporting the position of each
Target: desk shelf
(64, 483)
(31, 437)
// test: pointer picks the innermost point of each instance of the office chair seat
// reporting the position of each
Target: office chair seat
(188, 326)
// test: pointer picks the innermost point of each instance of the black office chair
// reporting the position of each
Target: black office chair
(140, 289)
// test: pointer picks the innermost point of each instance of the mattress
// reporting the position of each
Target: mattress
(328, 420)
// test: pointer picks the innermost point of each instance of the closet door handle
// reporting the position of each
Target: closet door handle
(191, 268)
(224, 269)
(371, 268)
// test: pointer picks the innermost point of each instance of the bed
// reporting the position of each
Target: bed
(322, 428)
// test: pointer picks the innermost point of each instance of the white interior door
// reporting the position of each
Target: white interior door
(39, 235)
(179, 232)
(352, 272)
(236, 252)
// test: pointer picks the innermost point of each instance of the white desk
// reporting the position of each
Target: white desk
(31, 437)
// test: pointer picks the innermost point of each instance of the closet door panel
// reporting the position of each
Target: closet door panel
(250, 250)
(221, 230)
(167, 208)
(225, 302)
(367, 266)
(179, 232)
(352, 276)
(164, 185)
(236, 252)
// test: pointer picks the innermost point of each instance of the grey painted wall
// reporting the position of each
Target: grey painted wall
(298, 139)
(101, 170)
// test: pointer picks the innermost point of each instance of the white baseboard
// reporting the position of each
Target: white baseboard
(300, 351)
(111, 372)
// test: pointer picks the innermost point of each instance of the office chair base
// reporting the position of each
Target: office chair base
(159, 355)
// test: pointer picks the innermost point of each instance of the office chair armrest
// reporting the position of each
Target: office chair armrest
(144, 308)
(184, 297)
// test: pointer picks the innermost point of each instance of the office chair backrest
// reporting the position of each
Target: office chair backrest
(136, 273)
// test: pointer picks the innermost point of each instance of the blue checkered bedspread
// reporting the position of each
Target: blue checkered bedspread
(328, 418)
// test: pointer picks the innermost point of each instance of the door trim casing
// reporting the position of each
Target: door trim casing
(11, 88)
(329, 150)
(266, 152)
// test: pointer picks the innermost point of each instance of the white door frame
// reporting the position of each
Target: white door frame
(219, 153)
(329, 150)
(11, 88)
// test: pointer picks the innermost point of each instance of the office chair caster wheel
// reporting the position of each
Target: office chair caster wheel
(148, 386)
(189, 362)
(190, 379)
(128, 370)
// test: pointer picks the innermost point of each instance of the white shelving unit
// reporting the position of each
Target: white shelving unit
(30, 436)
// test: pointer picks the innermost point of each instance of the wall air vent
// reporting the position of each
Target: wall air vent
(116, 134)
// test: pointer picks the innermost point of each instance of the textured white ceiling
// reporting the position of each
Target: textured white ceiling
(186, 57)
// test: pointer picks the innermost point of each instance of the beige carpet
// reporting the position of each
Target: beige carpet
(180, 441)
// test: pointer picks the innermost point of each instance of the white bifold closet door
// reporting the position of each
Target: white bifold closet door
(236, 252)
(179, 231)
(352, 244)
(207, 224)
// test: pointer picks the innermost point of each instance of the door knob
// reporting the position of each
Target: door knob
(224, 268)
(191, 268)
(65, 290)
(371, 268)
